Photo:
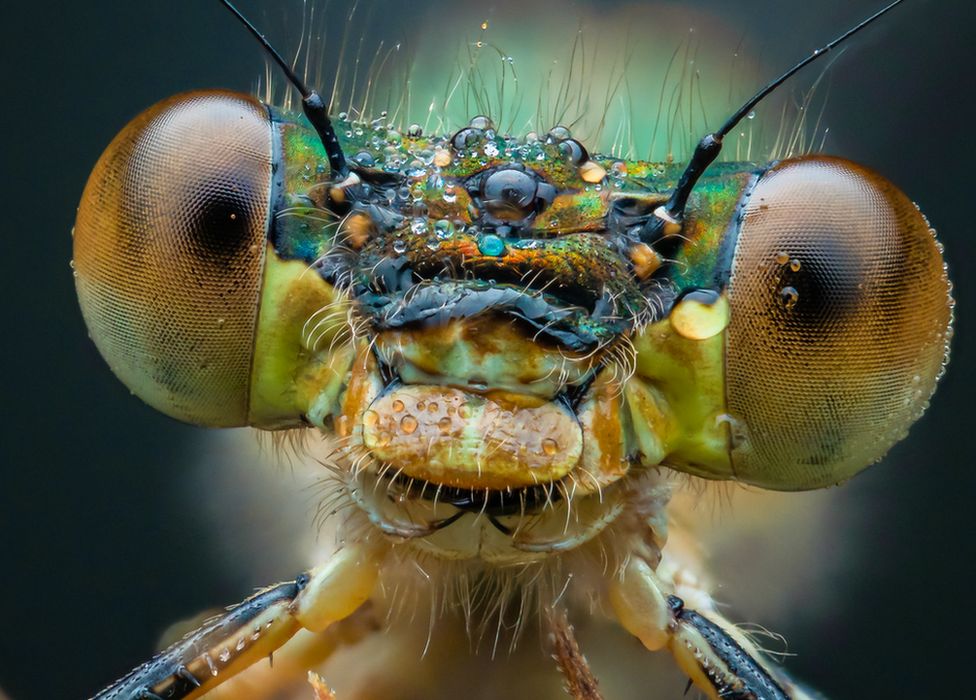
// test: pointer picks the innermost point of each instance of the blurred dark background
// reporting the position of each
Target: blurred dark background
(97, 553)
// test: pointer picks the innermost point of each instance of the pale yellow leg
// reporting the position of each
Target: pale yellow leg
(287, 676)
(255, 629)
(717, 658)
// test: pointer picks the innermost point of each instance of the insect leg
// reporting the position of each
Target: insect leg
(287, 674)
(254, 629)
(722, 663)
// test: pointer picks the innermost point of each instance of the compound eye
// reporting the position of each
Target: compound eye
(840, 316)
(168, 251)
(510, 194)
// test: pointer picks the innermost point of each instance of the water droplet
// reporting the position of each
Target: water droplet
(397, 408)
(481, 122)
(550, 446)
(484, 25)
(399, 246)
(466, 138)
(408, 424)
(450, 194)
(795, 265)
(443, 228)
(789, 296)
(574, 151)
(416, 168)
(420, 405)
(418, 226)
(558, 133)
(415, 131)
(343, 116)
(492, 245)
(365, 159)
(751, 115)
(444, 425)
(224, 655)
(433, 244)
(491, 150)
(782, 258)
(432, 407)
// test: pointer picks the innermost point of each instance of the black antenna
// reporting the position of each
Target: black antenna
(312, 103)
(668, 217)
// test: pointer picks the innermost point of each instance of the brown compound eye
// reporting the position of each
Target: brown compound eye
(840, 318)
(168, 250)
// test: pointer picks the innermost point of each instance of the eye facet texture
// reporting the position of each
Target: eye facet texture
(840, 317)
(168, 251)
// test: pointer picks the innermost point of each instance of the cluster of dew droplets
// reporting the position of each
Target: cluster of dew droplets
(420, 162)
(788, 294)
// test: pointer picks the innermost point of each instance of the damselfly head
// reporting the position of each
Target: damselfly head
(484, 312)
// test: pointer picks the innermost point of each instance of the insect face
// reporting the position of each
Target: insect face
(506, 331)
(481, 313)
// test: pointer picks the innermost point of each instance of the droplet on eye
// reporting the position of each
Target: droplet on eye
(789, 296)
(550, 446)
(397, 406)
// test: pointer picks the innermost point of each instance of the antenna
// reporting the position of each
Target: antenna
(668, 217)
(312, 103)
